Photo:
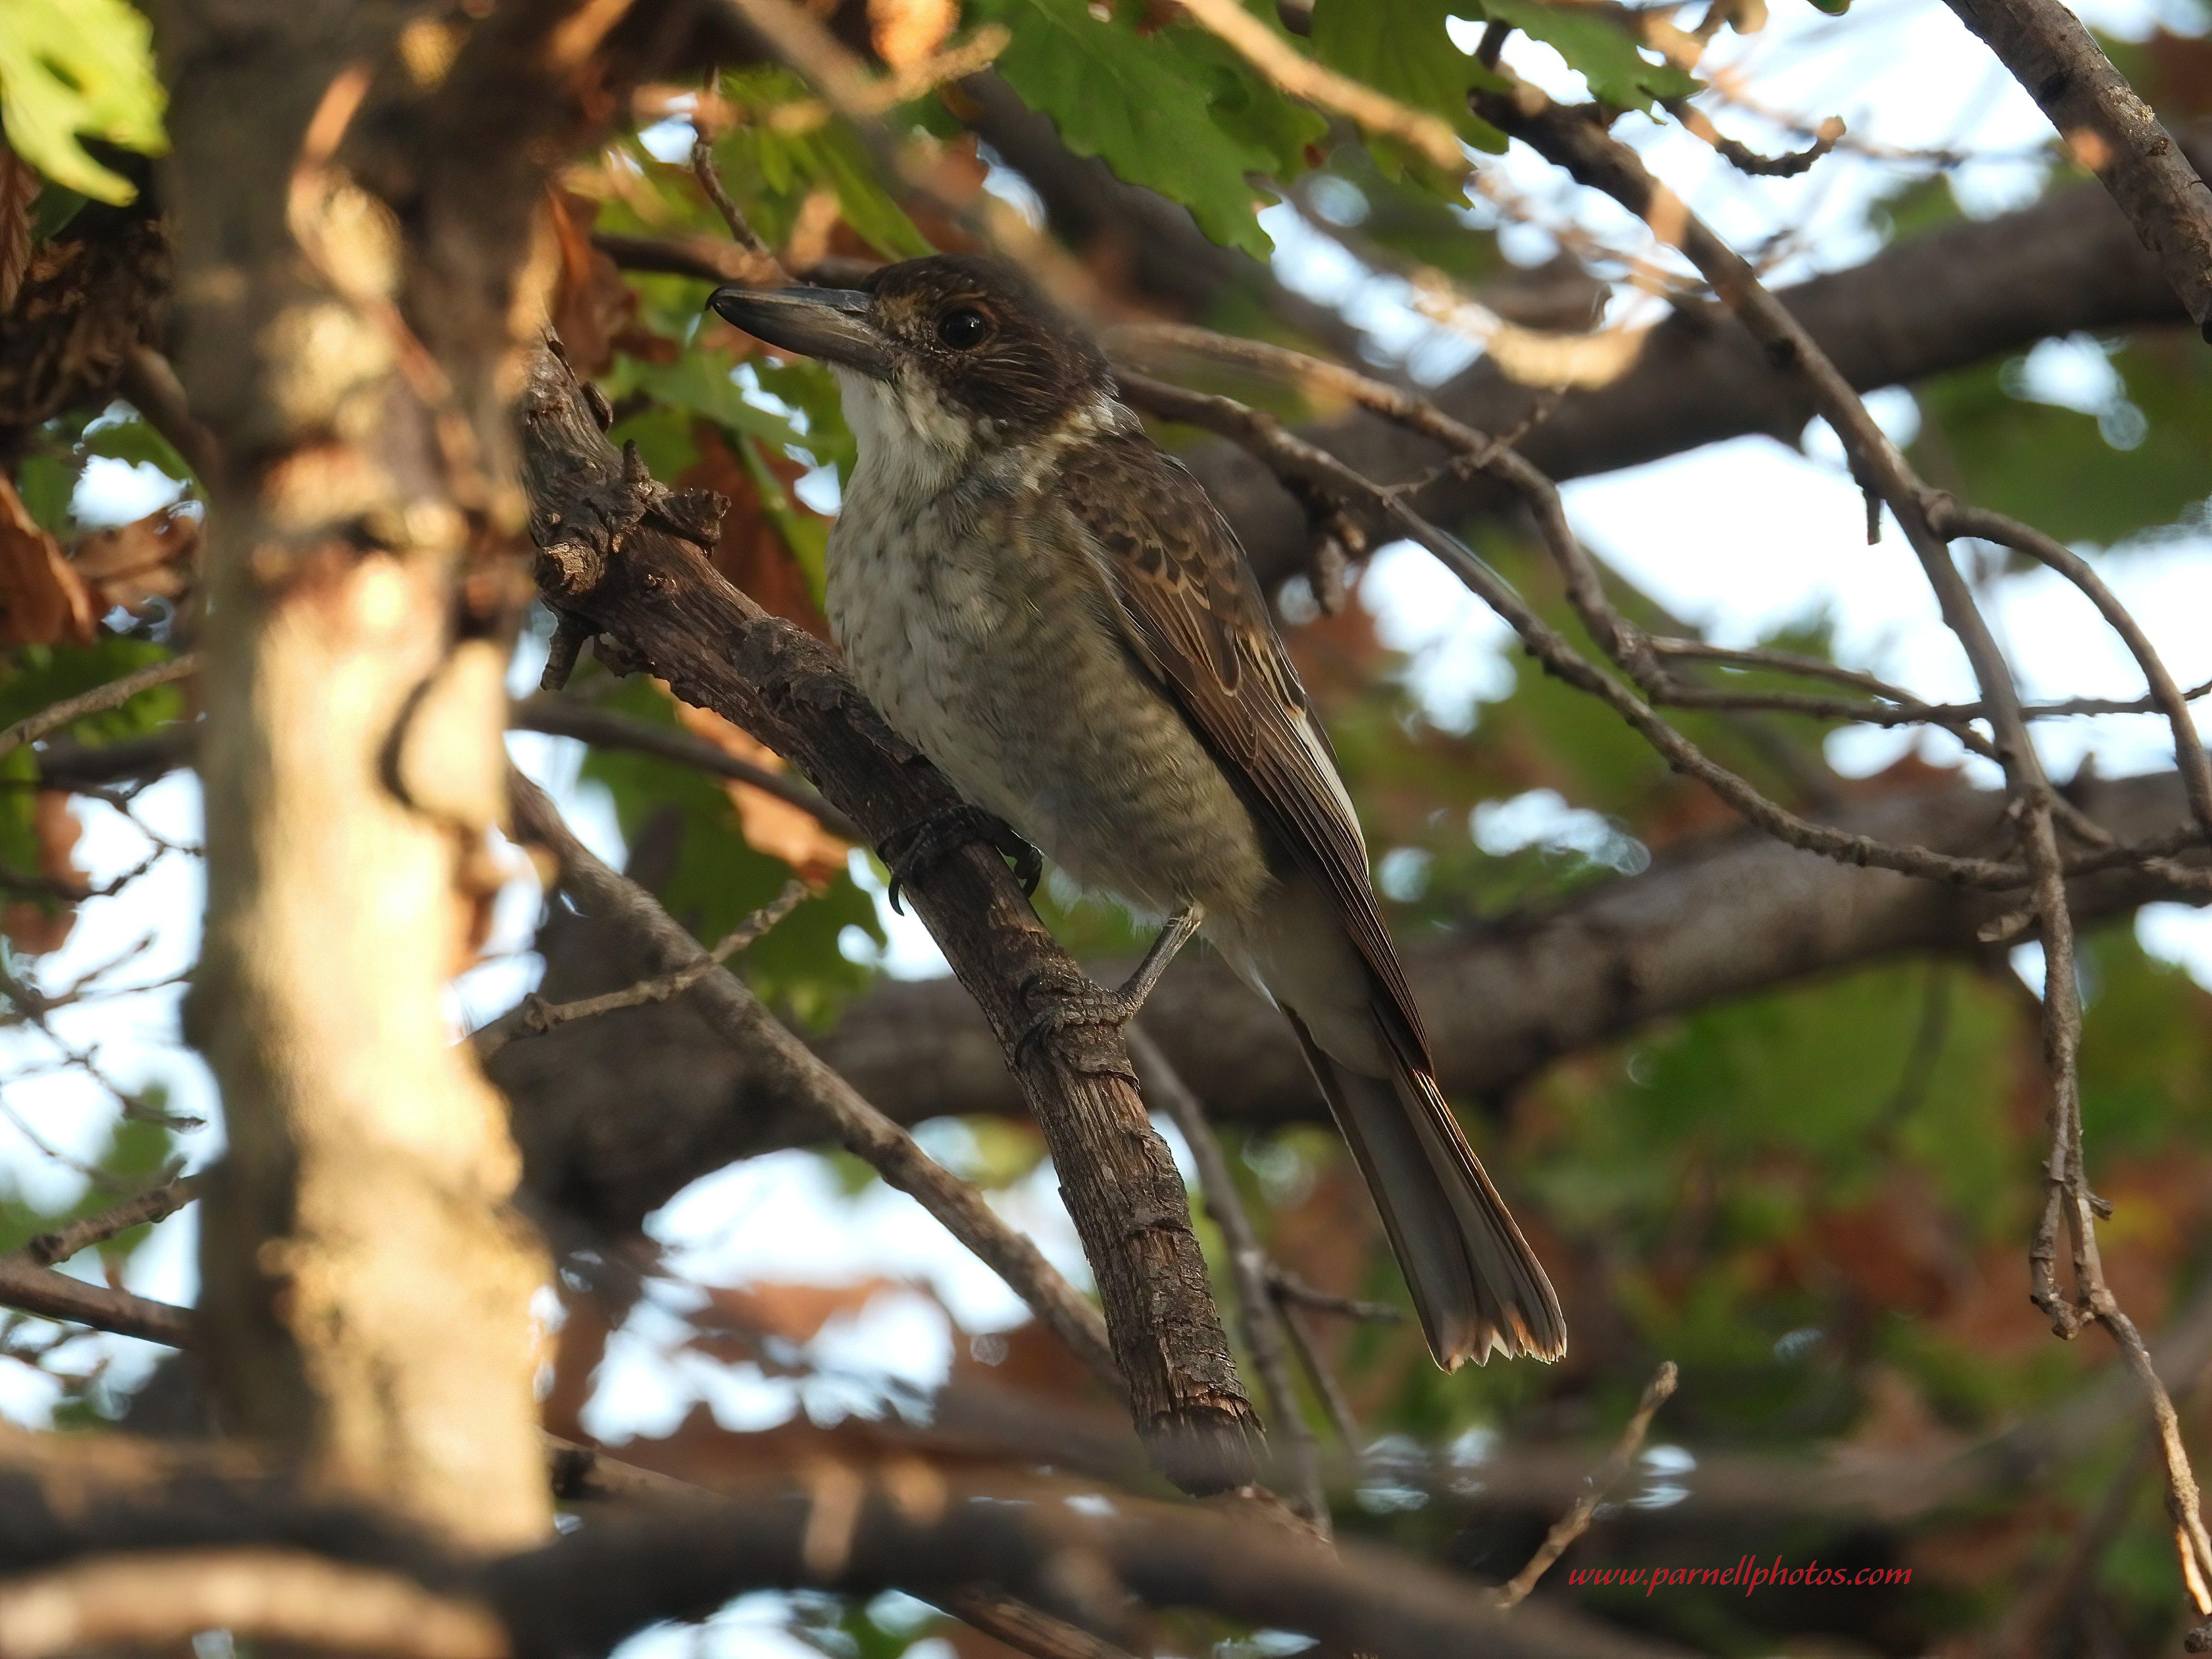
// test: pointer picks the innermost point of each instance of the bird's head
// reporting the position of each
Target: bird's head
(956, 352)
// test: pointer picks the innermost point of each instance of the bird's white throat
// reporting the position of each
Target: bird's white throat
(912, 444)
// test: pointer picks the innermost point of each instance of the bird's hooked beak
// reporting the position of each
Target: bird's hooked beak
(829, 323)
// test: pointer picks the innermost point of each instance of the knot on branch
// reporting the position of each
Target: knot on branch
(570, 569)
(694, 514)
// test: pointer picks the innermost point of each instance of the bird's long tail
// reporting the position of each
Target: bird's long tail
(1476, 1283)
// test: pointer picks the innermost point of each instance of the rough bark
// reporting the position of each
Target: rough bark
(621, 558)
(366, 1288)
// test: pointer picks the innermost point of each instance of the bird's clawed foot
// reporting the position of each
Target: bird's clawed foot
(910, 851)
(1076, 1000)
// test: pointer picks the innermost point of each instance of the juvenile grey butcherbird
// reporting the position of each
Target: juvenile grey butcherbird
(1052, 610)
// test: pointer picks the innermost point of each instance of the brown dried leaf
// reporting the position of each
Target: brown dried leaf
(1029, 1358)
(34, 925)
(593, 307)
(153, 557)
(796, 1313)
(42, 600)
(769, 824)
(19, 184)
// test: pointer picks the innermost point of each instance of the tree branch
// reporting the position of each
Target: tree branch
(2110, 131)
(1952, 297)
(29, 1285)
(603, 728)
(678, 618)
(161, 1599)
(1714, 918)
(1575, 1522)
(771, 1048)
(1250, 1270)
(98, 701)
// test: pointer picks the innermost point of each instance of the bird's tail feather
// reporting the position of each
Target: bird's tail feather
(1476, 1283)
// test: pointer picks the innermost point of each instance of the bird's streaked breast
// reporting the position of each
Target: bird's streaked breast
(962, 593)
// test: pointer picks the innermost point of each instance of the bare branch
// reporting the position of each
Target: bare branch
(29, 1285)
(98, 701)
(154, 1204)
(1746, 159)
(769, 269)
(1289, 1287)
(161, 1599)
(738, 1017)
(1250, 1270)
(1950, 518)
(537, 1017)
(2109, 130)
(1575, 1522)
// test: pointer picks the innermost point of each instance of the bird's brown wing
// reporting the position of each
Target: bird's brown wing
(1193, 611)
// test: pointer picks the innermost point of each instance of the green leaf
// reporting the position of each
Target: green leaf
(1249, 108)
(133, 441)
(788, 165)
(51, 209)
(1146, 108)
(2080, 476)
(699, 383)
(1606, 57)
(78, 67)
(1401, 47)
(47, 486)
(38, 677)
(719, 878)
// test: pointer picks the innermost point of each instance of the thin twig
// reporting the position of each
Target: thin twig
(538, 1017)
(154, 1204)
(1742, 157)
(1249, 1270)
(710, 180)
(1568, 138)
(737, 1015)
(1289, 1287)
(1952, 519)
(98, 701)
(1341, 1418)
(1575, 1522)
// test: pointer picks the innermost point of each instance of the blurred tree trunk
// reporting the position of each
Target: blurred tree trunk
(366, 1287)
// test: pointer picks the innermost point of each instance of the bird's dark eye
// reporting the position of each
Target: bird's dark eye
(964, 330)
